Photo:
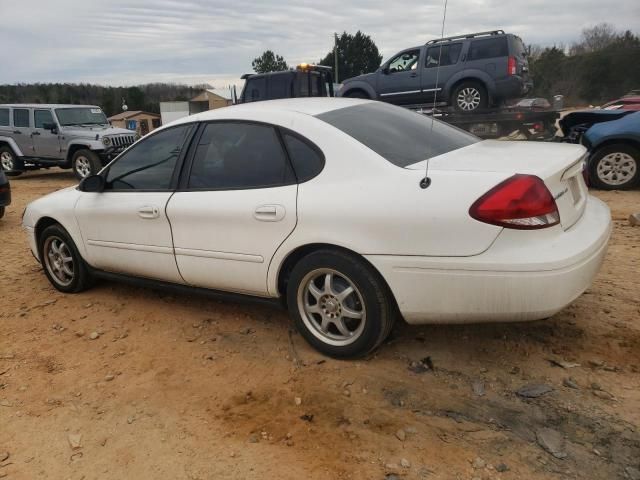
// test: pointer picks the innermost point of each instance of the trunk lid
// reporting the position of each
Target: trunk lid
(558, 165)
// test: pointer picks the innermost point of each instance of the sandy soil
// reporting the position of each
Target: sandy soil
(190, 388)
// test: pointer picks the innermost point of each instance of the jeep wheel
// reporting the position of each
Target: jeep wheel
(9, 163)
(85, 163)
(469, 97)
(615, 167)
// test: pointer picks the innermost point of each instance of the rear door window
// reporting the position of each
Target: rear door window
(488, 48)
(20, 117)
(449, 55)
(4, 117)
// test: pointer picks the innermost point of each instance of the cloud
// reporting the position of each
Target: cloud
(124, 42)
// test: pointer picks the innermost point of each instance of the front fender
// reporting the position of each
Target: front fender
(14, 146)
(94, 145)
(358, 85)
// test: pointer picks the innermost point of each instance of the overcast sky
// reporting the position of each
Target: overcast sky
(127, 42)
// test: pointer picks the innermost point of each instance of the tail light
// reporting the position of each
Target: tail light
(511, 66)
(522, 202)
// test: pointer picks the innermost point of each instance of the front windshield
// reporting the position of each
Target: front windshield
(81, 116)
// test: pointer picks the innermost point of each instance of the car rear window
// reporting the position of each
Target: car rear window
(488, 48)
(397, 134)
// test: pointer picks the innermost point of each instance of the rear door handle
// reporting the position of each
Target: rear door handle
(269, 213)
(17, 132)
(35, 133)
(148, 212)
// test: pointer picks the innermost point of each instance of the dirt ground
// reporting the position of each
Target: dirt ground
(183, 387)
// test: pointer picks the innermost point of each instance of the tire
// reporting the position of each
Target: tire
(11, 165)
(469, 96)
(318, 313)
(357, 94)
(54, 246)
(1, 212)
(85, 163)
(615, 167)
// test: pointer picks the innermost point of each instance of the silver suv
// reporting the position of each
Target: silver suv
(67, 136)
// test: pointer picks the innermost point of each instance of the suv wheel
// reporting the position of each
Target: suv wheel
(469, 97)
(615, 167)
(62, 263)
(339, 304)
(85, 163)
(9, 163)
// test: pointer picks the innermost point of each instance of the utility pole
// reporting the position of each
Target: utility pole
(335, 55)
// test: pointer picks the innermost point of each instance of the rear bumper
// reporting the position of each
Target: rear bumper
(522, 276)
(512, 87)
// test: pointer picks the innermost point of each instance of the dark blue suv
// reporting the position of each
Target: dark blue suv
(477, 70)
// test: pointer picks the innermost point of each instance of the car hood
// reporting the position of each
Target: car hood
(626, 127)
(589, 117)
(99, 130)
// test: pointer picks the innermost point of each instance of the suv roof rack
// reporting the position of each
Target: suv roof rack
(465, 36)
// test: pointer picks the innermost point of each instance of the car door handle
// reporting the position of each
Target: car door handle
(17, 132)
(269, 213)
(35, 133)
(148, 212)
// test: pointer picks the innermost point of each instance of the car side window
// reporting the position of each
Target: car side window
(4, 117)
(307, 159)
(20, 117)
(488, 48)
(404, 62)
(449, 55)
(149, 165)
(238, 155)
(40, 117)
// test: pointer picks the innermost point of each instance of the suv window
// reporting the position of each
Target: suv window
(307, 159)
(449, 55)
(149, 165)
(20, 117)
(405, 61)
(40, 117)
(255, 89)
(4, 117)
(488, 48)
(237, 155)
(399, 135)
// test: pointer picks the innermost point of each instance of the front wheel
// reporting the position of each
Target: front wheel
(339, 304)
(85, 163)
(62, 263)
(615, 167)
(469, 97)
(9, 163)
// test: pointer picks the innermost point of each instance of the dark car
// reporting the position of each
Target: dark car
(5, 193)
(475, 71)
(613, 140)
(306, 80)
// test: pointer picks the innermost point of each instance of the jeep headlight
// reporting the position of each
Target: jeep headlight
(106, 141)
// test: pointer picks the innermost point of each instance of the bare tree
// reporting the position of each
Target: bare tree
(595, 38)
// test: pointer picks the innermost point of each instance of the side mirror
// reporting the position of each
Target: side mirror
(92, 183)
(50, 126)
(385, 70)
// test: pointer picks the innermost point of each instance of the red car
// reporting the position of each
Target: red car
(631, 102)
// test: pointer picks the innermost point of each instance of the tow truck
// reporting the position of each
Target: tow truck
(533, 119)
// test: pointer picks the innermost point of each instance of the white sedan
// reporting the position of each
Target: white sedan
(323, 203)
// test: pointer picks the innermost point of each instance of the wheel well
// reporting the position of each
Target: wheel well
(43, 223)
(6, 144)
(296, 255)
(356, 89)
(615, 141)
(468, 79)
(72, 150)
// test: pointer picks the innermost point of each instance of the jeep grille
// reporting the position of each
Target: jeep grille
(123, 140)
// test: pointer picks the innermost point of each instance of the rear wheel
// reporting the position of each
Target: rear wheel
(469, 97)
(1, 212)
(615, 167)
(85, 163)
(339, 304)
(62, 263)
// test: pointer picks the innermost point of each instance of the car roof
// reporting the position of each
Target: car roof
(307, 106)
(45, 105)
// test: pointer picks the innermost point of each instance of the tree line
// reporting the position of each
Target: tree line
(143, 97)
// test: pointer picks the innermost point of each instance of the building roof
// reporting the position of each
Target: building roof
(131, 114)
(205, 95)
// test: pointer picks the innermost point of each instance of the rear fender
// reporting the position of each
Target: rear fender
(470, 74)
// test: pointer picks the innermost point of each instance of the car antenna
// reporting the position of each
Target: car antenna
(426, 181)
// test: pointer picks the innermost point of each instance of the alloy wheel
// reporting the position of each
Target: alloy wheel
(616, 168)
(83, 166)
(6, 160)
(331, 307)
(469, 99)
(58, 260)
